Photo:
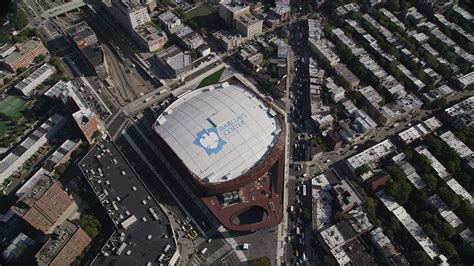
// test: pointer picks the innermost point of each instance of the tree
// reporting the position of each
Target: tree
(430, 180)
(393, 5)
(56, 62)
(395, 172)
(90, 225)
(39, 58)
(20, 70)
(20, 20)
(399, 190)
(419, 258)
(446, 230)
(371, 206)
(60, 170)
(463, 178)
(425, 216)
(422, 162)
(329, 261)
(448, 249)
(338, 216)
(440, 103)
(449, 197)
(346, 53)
(394, 224)
(268, 51)
(29, 32)
(362, 170)
(466, 213)
(4, 37)
(262, 261)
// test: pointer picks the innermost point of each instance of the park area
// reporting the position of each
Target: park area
(204, 18)
(211, 79)
(11, 109)
(12, 106)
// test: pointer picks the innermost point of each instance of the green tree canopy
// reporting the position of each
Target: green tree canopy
(395, 172)
(449, 197)
(399, 190)
(419, 258)
(430, 180)
(362, 170)
(90, 225)
(20, 20)
(261, 261)
(4, 37)
(422, 162)
(448, 249)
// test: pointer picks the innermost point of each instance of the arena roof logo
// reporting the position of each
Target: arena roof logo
(209, 140)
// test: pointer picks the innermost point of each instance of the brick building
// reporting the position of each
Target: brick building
(66, 243)
(24, 55)
(44, 205)
(377, 181)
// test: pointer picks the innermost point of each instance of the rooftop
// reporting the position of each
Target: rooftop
(435, 164)
(445, 211)
(410, 225)
(23, 49)
(371, 155)
(79, 32)
(66, 90)
(48, 127)
(248, 19)
(67, 242)
(176, 58)
(234, 6)
(383, 242)
(144, 232)
(220, 131)
(466, 79)
(37, 74)
(462, 149)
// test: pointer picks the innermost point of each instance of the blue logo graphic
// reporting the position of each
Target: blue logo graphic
(209, 140)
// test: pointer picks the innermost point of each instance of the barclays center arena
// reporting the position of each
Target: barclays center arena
(228, 144)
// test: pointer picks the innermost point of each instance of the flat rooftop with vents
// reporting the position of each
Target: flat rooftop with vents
(219, 132)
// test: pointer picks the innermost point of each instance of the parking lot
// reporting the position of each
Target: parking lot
(143, 231)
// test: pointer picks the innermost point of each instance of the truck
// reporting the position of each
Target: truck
(304, 190)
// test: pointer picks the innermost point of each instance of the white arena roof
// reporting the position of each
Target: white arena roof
(220, 131)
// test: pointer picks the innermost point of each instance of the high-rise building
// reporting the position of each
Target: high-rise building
(85, 118)
(86, 41)
(249, 25)
(232, 10)
(130, 13)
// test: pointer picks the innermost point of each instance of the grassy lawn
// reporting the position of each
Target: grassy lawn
(200, 11)
(211, 79)
(204, 17)
(12, 106)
